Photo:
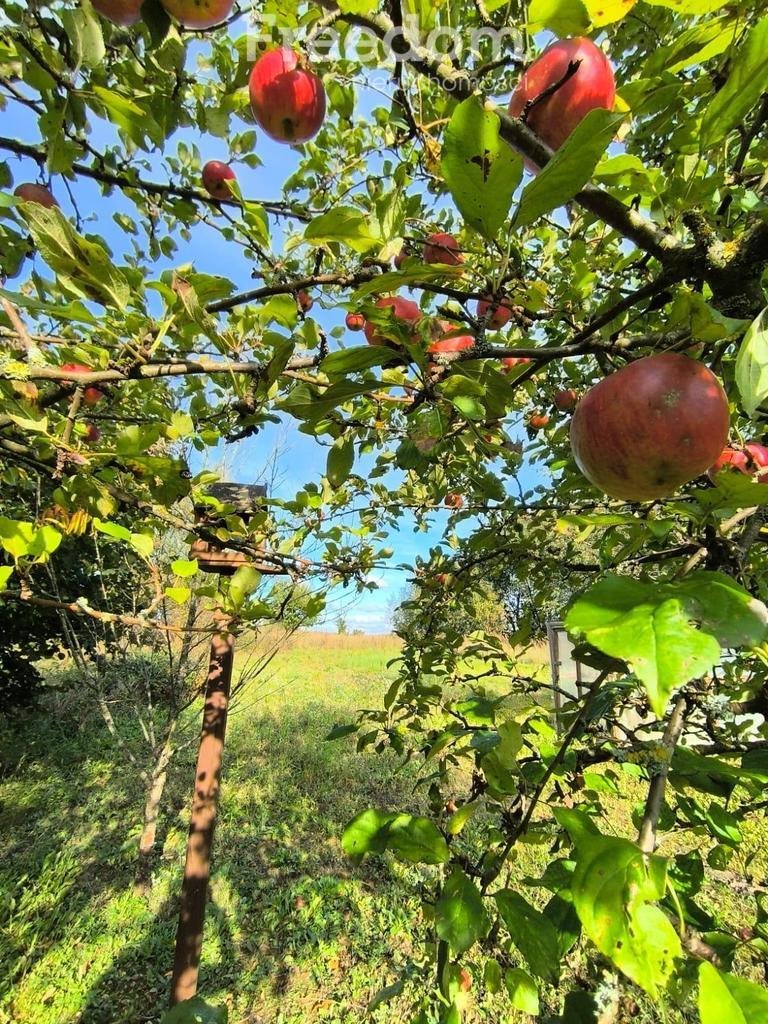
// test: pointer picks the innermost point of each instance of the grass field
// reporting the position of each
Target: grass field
(294, 933)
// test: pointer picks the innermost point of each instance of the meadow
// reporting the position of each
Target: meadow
(294, 932)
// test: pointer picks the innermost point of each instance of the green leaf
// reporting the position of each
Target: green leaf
(344, 224)
(606, 12)
(726, 998)
(179, 595)
(752, 365)
(481, 171)
(746, 83)
(522, 990)
(84, 32)
(564, 17)
(184, 567)
(81, 264)
(24, 540)
(416, 840)
(612, 886)
(114, 530)
(460, 916)
(459, 819)
(195, 1011)
(352, 360)
(6, 571)
(339, 731)
(243, 584)
(649, 626)
(142, 543)
(570, 168)
(366, 834)
(341, 459)
(532, 933)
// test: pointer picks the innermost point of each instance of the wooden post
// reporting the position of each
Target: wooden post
(197, 869)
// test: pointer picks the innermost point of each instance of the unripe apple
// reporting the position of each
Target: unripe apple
(501, 315)
(566, 400)
(199, 13)
(120, 12)
(305, 301)
(92, 434)
(651, 426)
(215, 177)
(453, 500)
(32, 193)
(403, 309)
(442, 248)
(91, 395)
(538, 420)
(287, 98)
(591, 86)
(355, 321)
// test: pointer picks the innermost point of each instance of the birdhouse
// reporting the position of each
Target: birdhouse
(244, 500)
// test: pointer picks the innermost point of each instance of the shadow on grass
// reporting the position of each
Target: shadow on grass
(292, 931)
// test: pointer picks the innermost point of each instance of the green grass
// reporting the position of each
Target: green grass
(294, 933)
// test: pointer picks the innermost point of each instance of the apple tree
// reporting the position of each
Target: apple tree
(514, 265)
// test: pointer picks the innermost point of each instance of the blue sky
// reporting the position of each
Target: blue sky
(303, 460)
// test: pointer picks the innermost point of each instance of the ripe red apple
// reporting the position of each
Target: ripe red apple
(401, 257)
(591, 86)
(287, 99)
(355, 321)
(730, 457)
(305, 301)
(566, 400)
(121, 12)
(500, 316)
(449, 340)
(442, 248)
(758, 458)
(31, 193)
(199, 13)
(403, 309)
(91, 395)
(92, 434)
(510, 362)
(650, 427)
(453, 500)
(538, 420)
(215, 177)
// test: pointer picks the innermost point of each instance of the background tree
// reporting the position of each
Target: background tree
(640, 236)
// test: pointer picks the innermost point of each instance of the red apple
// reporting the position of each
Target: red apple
(404, 309)
(510, 362)
(566, 400)
(215, 177)
(591, 86)
(501, 315)
(538, 420)
(730, 457)
(401, 257)
(355, 321)
(92, 434)
(287, 99)
(199, 13)
(31, 193)
(91, 395)
(305, 301)
(650, 427)
(757, 455)
(121, 12)
(449, 340)
(442, 248)
(453, 500)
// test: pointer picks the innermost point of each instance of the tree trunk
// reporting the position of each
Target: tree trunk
(154, 795)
